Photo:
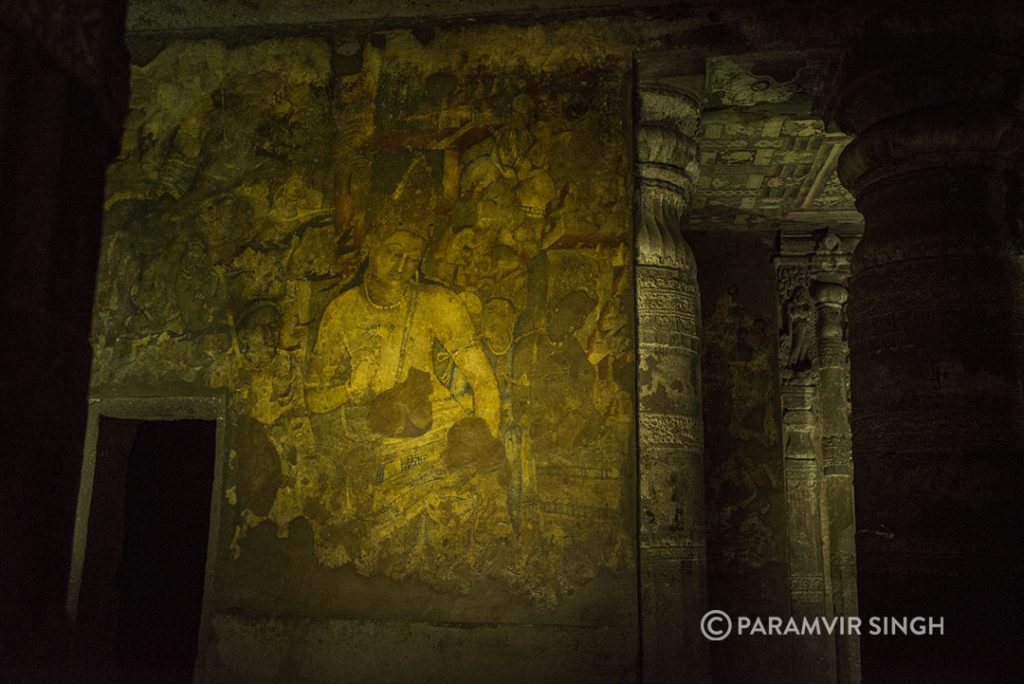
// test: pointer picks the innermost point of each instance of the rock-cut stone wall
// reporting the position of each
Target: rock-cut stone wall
(407, 264)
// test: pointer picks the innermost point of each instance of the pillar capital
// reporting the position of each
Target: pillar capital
(669, 106)
(931, 87)
(940, 53)
(829, 294)
(667, 168)
(936, 138)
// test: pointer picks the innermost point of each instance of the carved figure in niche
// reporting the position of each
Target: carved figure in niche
(800, 316)
(423, 478)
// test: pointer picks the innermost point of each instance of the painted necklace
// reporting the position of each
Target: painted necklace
(384, 307)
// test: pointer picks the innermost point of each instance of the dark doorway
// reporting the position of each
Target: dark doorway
(145, 557)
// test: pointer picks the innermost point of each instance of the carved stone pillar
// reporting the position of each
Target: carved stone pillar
(935, 100)
(811, 269)
(812, 656)
(837, 467)
(673, 564)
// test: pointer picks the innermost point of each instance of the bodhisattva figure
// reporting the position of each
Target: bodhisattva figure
(423, 484)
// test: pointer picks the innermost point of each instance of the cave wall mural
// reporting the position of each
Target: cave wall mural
(408, 267)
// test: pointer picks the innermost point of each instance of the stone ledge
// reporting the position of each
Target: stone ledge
(186, 15)
(268, 649)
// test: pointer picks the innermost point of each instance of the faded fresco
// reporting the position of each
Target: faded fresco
(742, 481)
(412, 277)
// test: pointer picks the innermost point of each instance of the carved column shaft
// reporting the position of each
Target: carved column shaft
(673, 566)
(813, 657)
(814, 371)
(935, 100)
(837, 469)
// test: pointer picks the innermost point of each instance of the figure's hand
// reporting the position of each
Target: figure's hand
(324, 399)
(471, 446)
(486, 400)
(492, 418)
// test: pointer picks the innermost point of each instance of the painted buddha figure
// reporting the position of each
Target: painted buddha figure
(377, 334)
(423, 468)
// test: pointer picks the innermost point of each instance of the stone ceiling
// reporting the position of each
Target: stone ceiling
(767, 159)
